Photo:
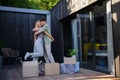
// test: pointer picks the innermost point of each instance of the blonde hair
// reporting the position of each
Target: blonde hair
(36, 26)
(37, 23)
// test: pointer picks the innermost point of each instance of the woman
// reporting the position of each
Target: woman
(38, 43)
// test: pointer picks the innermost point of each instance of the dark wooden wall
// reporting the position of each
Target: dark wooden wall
(65, 8)
(59, 27)
(16, 30)
(116, 35)
(67, 35)
(57, 32)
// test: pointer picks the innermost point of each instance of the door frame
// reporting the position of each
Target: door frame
(91, 17)
(110, 50)
(110, 38)
(74, 27)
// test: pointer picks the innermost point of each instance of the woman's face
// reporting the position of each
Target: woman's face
(39, 25)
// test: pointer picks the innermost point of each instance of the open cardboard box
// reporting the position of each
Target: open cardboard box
(52, 68)
(30, 68)
(70, 60)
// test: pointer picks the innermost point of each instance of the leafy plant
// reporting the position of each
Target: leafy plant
(72, 52)
(33, 4)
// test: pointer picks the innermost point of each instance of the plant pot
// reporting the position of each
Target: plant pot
(1, 61)
(70, 60)
(70, 68)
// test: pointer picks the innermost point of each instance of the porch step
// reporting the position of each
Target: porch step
(105, 79)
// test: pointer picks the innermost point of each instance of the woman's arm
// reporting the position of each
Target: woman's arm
(35, 29)
(49, 35)
(46, 33)
(42, 29)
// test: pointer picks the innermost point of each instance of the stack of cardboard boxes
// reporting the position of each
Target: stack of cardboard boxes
(30, 68)
(70, 65)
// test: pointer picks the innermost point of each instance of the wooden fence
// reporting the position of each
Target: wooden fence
(16, 26)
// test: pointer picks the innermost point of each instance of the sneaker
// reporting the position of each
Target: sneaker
(26, 55)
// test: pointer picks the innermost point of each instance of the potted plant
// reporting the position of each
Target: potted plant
(72, 57)
(73, 52)
(70, 66)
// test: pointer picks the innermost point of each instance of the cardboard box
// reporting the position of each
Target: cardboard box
(30, 68)
(70, 60)
(52, 68)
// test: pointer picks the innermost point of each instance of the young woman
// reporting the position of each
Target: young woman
(38, 43)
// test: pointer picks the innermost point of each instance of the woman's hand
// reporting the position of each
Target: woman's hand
(35, 29)
(52, 39)
(36, 33)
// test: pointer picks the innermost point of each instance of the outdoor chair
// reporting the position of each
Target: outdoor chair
(10, 53)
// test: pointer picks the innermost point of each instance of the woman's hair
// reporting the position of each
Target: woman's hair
(37, 23)
(36, 26)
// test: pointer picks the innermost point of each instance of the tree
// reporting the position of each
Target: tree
(33, 4)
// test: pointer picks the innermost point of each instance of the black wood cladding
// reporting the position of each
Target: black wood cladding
(59, 12)
(16, 30)
(56, 29)
(116, 36)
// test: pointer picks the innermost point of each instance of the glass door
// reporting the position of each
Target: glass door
(92, 37)
(93, 24)
(75, 27)
(87, 40)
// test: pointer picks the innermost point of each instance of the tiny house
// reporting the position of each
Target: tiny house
(91, 27)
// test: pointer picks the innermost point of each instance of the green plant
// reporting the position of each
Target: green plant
(72, 52)
(32, 4)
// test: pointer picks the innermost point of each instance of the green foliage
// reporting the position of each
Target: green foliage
(72, 52)
(33, 4)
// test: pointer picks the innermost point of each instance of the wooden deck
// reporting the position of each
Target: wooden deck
(15, 73)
